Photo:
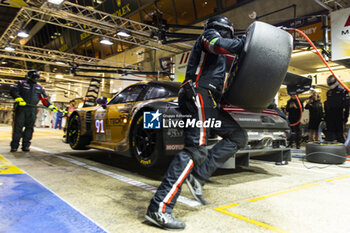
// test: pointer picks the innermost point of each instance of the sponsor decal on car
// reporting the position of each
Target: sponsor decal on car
(174, 146)
(145, 162)
(174, 133)
(116, 121)
(100, 115)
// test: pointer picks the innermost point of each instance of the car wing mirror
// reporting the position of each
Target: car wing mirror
(297, 84)
(102, 101)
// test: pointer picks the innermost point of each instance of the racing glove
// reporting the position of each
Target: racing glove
(20, 101)
(53, 108)
(63, 111)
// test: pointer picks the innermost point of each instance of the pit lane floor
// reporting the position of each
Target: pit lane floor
(96, 191)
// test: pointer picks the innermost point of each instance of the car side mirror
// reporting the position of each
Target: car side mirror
(102, 101)
(297, 84)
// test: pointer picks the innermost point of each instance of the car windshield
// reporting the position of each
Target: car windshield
(129, 94)
(155, 92)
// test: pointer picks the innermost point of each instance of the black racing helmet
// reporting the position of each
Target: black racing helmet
(33, 76)
(332, 82)
(222, 24)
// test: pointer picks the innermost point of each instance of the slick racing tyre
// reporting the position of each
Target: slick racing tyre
(326, 152)
(76, 140)
(145, 144)
(262, 67)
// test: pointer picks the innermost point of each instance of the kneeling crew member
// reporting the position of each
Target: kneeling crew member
(27, 94)
(200, 93)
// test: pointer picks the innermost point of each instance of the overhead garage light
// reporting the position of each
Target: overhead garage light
(9, 48)
(57, 2)
(106, 42)
(60, 63)
(302, 53)
(123, 34)
(22, 34)
(4, 62)
(333, 68)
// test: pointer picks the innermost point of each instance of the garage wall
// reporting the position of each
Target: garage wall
(241, 20)
(321, 77)
(131, 56)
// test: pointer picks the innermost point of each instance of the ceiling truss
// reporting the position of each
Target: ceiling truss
(7, 81)
(91, 21)
(20, 73)
(49, 77)
(332, 5)
(54, 57)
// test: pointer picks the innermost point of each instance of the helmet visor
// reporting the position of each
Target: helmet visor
(33, 76)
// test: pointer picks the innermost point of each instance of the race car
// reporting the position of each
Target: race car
(139, 122)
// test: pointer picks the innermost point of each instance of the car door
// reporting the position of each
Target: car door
(111, 123)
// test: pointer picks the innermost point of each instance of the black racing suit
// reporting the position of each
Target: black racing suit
(336, 113)
(25, 115)
(315, 114)
(207, 69)
(293, 117)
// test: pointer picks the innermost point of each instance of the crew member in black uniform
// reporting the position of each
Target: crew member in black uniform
(27, 94)
(336, 110)
(199, 97)
(315, 108)
(294, 113)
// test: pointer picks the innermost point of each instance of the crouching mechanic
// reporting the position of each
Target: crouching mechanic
(199, 97)
(27, 94)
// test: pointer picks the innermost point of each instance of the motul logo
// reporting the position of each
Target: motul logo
(347, 22)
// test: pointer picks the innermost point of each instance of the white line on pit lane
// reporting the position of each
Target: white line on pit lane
(292, 167)
(125, 179)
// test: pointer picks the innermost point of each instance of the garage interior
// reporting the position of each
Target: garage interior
(85, 49)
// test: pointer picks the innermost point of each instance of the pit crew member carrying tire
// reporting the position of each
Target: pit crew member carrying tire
(27, 94)
(199, 97)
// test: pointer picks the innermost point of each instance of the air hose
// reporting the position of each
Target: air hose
(323, 60)
(319, 54)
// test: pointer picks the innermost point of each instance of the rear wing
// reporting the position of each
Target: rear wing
(296, 84)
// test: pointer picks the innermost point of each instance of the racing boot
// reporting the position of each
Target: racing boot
(195, 188)
(25, 149)
(13, 149)
(165, 220)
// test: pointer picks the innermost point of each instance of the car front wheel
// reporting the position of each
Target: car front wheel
(76, 140)
(145, 144)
